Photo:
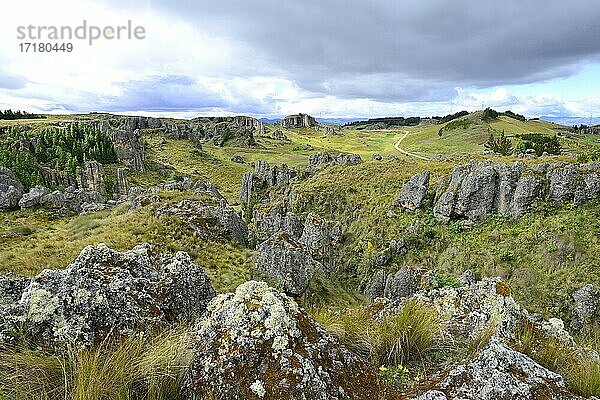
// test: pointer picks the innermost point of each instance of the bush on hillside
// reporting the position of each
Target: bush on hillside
(538, 142)
(501, 144)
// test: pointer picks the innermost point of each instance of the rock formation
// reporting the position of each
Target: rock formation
(279, 135)
(413, 192)
(263, 177)
(284, 260)
(33, 197)
(257, 343)
(11, 189)
(298, 121)
(121, 185)
(104, 292)
(320, 237)
(91, 177)
(209, 220)
(475, 190)
(330, 159)
(585, 306)
(405, 283)
(269, 220)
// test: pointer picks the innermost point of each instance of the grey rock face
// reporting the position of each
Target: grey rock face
(267, 222)
(330, 159)
(320, 237)
(11, 189)
(263, 177)
(121, 185)
(279, 135)
(33, 197)
(91, 177)
(53, 201)
(209, 220)
(475, 190)
(105, 292)
(298, 121)
(413, 192)
(585, 306)
(278, 351)
(403, 284)
(285, 260)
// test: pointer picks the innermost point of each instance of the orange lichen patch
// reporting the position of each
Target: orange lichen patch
(502, 289)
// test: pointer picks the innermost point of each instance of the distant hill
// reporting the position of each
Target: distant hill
(570, 121)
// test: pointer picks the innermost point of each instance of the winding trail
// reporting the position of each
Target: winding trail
(397, 147)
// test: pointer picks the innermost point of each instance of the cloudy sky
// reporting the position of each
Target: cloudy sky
(329, 58)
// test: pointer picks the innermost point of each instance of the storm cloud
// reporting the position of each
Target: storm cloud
(404, 50)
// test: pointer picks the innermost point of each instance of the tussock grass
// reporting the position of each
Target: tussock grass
(401, 337)
(580, 368)
(134, 368)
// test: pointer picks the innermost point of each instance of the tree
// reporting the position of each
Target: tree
(501, 145)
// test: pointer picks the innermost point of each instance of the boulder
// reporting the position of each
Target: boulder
(209, 220)
(413, 192)
(264, 177)
(585, 306)
(257, 343)
(53, 201)
(320, 237)
(500, 373)
(104, 292)
(376, 157)
(11, 189)
(285, 260)
(279, 135)
(238, 159)
(33, 197)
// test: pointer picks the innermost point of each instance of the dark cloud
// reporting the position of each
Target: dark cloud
(395, 50)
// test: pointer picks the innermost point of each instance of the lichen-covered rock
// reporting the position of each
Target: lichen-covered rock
(500, 373)
(585, 306)
(279, 135)
(121, 185)
(320, 237)
(53, 201)
(413, 192)
(218, 220)
(286, 261)
(33, 197)
(104, 292)
(257, 343)
(11, 189)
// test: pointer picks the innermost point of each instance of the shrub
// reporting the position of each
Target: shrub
(457, 124)
(513, 115)
(450, 117)
(539, 143)
(501, 144)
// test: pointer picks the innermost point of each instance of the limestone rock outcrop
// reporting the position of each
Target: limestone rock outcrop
(215, 220)
(330, 159)
(121, 185)
(11, 189)
(404, 283)
(320, 238)
(413, 192)
(33, 197)
(104, 292)
(298, 121)
(284, 260)
(257, 343)
(263, 177)
(91, 177)
(585, 306)
(269, 220)
(475, 190)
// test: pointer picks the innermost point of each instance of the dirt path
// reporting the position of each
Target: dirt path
(397, 147)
